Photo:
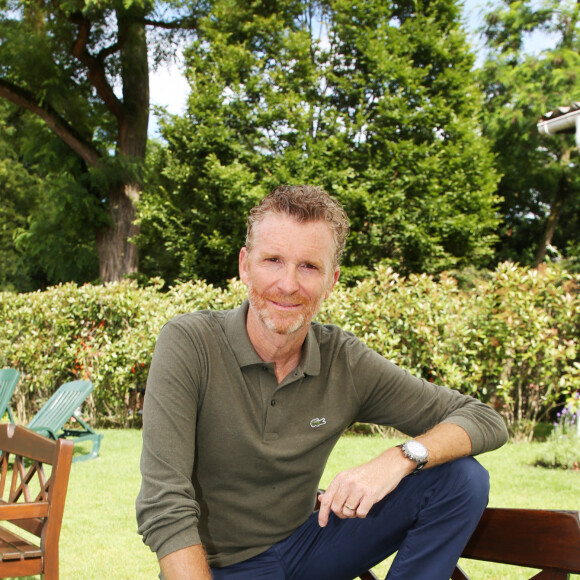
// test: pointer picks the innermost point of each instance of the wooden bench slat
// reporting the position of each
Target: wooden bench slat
(16, 568)
(14, 547)
(16, 511)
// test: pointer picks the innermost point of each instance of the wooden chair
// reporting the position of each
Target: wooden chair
(31, 501)
(51, 420)
(8, 381)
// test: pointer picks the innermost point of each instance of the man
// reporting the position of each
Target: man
(243, 408)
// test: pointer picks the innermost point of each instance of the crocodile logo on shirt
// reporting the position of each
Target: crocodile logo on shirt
(317, 422)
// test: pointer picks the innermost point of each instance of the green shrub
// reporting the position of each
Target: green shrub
(560, 452)
(562, 448)
(102, 333)
(511, 339)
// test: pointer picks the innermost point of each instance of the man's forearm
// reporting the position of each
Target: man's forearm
(187, 564)
(445, 442)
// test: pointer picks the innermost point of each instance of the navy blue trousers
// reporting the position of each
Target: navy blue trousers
(427, 520)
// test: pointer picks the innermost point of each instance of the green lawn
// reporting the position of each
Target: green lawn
(99, 539)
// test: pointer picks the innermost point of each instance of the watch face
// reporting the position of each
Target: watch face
(417, 449)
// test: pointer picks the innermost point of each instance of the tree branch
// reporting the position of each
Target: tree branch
(95, 65)
(25, 99)
(181, 24)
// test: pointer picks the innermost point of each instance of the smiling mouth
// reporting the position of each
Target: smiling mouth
(286, 305)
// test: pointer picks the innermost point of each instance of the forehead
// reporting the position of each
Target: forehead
(280, 231)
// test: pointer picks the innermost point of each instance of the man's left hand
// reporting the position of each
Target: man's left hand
(352, 493)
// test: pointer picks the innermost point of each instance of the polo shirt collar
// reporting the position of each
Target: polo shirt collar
(239, 341)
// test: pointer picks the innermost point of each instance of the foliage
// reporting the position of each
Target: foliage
(45, 212)
(375, 102)
(78, 72)
(102, 333)
(511, 340)
(528, 358)
(540, 182)
(562, 450)
(20, 191)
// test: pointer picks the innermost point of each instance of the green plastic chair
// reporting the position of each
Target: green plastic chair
(65, 404)
(8, 380)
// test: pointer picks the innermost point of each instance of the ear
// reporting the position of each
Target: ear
(335, 277)
(243, 265)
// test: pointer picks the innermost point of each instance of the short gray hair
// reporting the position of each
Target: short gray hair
(304, 203)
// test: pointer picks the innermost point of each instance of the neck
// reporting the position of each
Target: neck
(283, 350)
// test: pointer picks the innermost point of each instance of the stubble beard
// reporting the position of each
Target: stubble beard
(258, 304)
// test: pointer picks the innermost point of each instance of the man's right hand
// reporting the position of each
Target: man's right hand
(187, 564)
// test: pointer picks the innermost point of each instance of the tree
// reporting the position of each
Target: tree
(83, 68)
(540, 182)
(45, 207)
(375, 101)
(19, 192)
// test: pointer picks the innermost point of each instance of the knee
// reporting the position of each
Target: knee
(471, 479)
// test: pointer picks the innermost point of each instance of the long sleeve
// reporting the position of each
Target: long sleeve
(167, 510)
(392, 396)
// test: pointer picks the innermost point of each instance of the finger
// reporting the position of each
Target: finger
(352, 502)
(324, 511)
(364, 507)
(330, 500)
(339, 500)
(348, 511)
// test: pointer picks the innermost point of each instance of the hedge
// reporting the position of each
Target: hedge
(511, 340)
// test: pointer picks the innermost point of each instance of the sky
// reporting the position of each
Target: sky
(169, 88)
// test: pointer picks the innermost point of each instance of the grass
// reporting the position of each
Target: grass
(99, 538)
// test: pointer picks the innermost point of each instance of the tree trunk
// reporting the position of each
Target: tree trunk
(551, 224)
(559, 199)
(118, 255)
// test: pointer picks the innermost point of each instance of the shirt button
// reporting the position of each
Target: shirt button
(273, 402)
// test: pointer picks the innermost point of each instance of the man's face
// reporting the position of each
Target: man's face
(289, 271)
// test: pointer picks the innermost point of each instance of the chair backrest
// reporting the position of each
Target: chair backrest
(8, 381)
(57, 411)
(29, 497)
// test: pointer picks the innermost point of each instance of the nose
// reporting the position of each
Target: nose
(288, 281)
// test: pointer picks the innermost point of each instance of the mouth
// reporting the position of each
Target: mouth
(286, 305)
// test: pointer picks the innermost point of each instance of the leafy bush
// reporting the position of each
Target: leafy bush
(562, 449)
(102, 333)
(511, 339)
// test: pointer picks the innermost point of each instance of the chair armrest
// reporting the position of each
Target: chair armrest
(23, 511)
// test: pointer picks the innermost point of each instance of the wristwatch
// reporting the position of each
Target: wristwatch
(416, 452)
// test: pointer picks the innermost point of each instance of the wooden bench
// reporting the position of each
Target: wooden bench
(547, 540)
(34, 474)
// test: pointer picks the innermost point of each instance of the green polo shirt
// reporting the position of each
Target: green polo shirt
(232, 459)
